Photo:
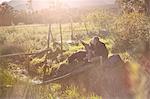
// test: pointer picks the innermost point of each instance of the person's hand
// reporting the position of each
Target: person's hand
(93, 52)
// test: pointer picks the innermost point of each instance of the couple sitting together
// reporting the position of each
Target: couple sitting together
(96, 48)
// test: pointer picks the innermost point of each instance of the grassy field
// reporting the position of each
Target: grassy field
(34, 37)
(30, 38)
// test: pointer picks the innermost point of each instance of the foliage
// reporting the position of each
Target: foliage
(6, 81)
(6, 78)
(44, 16)
(127, 31)
(7, 14)
(129, 6)
(130, 30)
(100, 18)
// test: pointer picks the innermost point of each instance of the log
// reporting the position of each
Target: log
(106, 81)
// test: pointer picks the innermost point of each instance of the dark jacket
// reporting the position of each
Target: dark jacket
(100, 50)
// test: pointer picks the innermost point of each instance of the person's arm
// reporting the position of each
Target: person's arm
(83, 43)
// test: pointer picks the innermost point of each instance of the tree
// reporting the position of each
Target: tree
(99, 18)
(132, 7)
(147, 7)
(135, 5)
(130, 30)
(7, 14)
(30, 5)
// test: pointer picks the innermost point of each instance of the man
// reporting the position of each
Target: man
(99, 48)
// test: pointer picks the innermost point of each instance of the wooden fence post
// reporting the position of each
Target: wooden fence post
(51, 34)
(48, 46)
(86, 27)
(61, 38)
(27, 63)
(72, 32)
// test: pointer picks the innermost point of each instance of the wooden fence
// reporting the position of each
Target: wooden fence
(50, 37)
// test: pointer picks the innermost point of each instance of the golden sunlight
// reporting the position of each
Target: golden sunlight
(4, 1)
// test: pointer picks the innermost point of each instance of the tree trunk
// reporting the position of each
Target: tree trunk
(147, 11)
(147, 7)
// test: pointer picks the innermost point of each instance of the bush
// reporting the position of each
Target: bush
(6, 81)
(2, 39)
(99, 22)
(130, 30)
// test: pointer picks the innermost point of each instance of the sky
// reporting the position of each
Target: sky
(3, 1)
(70, 3)
(63, 0)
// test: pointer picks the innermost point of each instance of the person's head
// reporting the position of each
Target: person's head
(95, 40)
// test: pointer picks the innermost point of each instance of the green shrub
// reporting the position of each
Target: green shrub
(2, 39)
(130, 30)
(6, 81)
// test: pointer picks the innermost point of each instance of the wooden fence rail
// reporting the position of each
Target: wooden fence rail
(26, 54)
(72, 30)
